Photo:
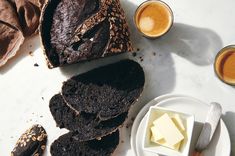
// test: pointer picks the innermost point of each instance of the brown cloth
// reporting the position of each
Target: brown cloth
(18, 19)
(29, 14)
(11, 35)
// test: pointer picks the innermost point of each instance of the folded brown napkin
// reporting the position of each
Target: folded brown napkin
(29, 14)
(11, 35)
(18, 19)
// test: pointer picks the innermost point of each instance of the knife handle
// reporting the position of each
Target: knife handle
(196, 153)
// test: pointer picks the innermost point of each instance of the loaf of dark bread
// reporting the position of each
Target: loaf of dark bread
(70, 145)
(31, 143)
(88, 126)
(79, 30)
(107, 91)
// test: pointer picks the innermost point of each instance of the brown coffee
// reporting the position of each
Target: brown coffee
(225, 65)
(153, 18)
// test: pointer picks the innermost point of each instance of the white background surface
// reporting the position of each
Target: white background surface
(183, 64)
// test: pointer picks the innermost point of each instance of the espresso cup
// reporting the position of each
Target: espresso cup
(153, 18)
(225, 64)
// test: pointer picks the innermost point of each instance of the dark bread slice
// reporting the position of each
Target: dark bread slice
(88, 126)
(107, 91)
(70, 145)
(79, 30)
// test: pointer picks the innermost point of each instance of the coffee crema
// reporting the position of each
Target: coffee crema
(225, 65)
(153, 18)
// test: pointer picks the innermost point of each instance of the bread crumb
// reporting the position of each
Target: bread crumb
(134, 54)
(31, 53)
(128, 125)
(133, 119)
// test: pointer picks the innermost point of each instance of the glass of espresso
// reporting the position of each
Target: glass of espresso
(225, 64)
(153, 18)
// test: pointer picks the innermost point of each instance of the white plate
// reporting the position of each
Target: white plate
(188, 105)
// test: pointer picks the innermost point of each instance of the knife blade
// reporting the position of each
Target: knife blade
(206, 135)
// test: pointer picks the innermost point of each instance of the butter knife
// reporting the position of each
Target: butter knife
(212, 120)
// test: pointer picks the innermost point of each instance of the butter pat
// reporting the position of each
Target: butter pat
(166, 133)
(178, 122)
(158, 138)
(164, 143)
(156, 134)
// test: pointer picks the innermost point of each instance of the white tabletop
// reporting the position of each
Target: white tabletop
(183, 64)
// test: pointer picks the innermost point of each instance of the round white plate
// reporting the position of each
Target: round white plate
(187, 105)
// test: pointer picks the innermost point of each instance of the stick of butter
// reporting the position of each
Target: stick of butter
(168, 130)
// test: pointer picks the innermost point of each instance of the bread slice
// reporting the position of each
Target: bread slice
(88, 126)
(77, 30)
(70, 145)
(107, 91)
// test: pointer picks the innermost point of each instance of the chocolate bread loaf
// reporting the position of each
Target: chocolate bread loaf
(87, 125)
(79, 30)
(70, 145)
(107, 91)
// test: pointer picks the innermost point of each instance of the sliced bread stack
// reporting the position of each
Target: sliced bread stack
(93, 105)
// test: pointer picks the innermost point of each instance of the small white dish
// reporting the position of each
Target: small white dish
(187, 105)
(156, 112)
(141, 115)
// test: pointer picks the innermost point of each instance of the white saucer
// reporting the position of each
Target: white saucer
(187, 105)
